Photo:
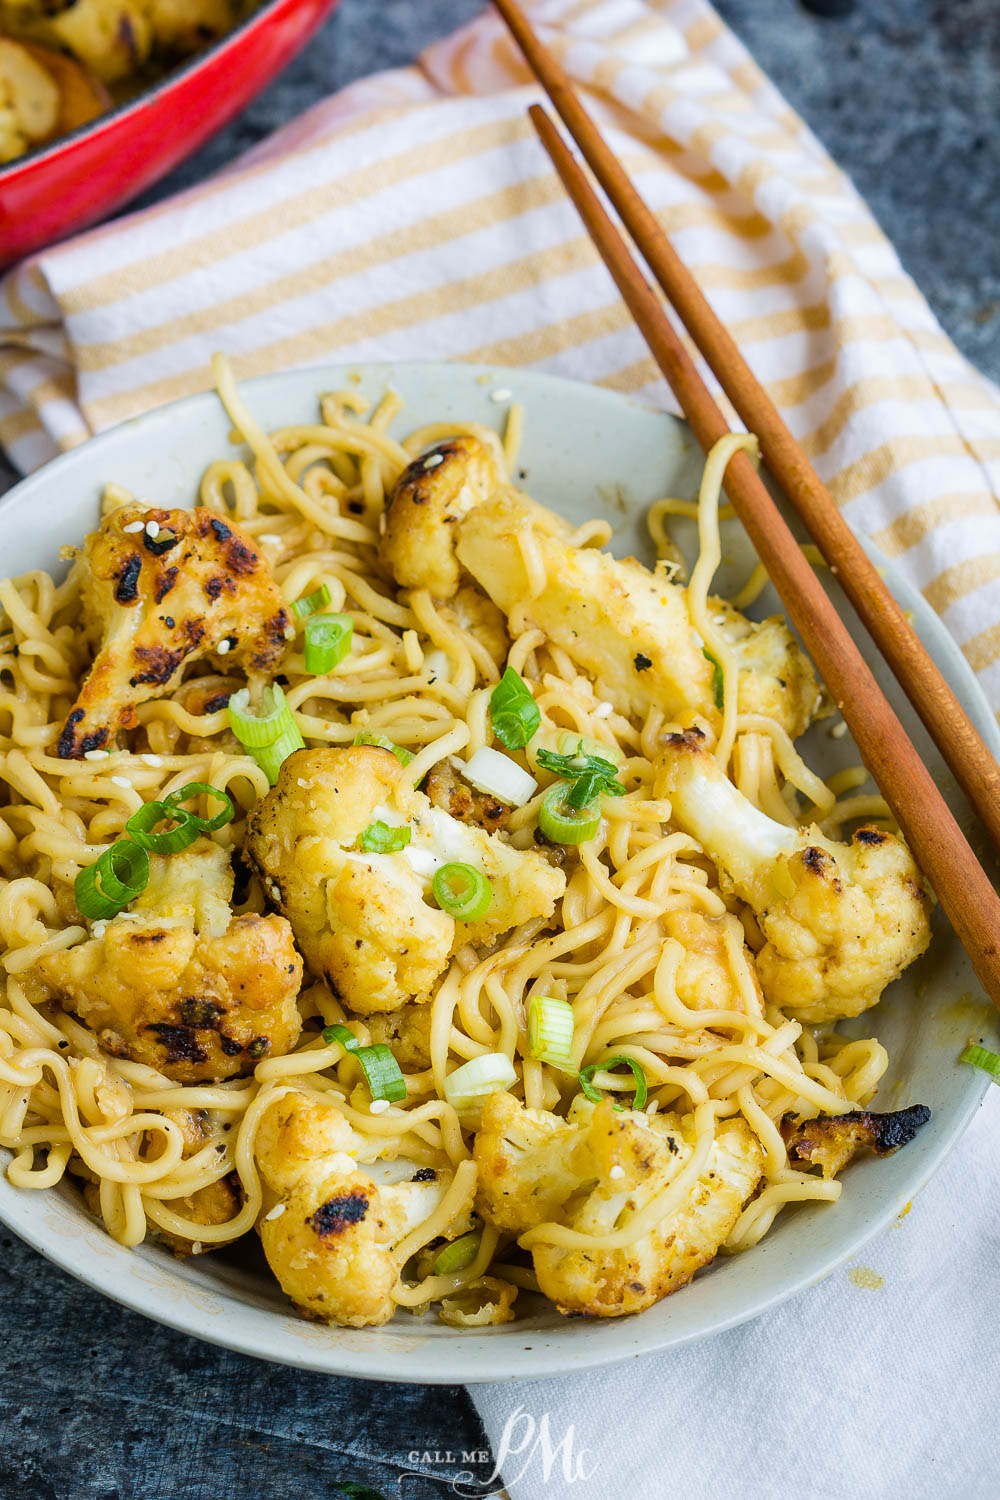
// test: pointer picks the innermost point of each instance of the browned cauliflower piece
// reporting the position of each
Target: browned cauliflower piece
(178, 982)
(408, 1032)
(830, 1142)
(162, 600)
(425, 510)
(841, 921)
(704, 979)
(627, 627)
(364, 921)
(592, 1172)
(434, 492)
(329, 1231)
(453, 794)
(474, 612)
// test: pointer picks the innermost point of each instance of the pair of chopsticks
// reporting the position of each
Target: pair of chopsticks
(938, 844)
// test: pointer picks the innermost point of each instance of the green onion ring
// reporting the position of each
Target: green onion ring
(462, 891)
(562, 823)
(116, 877)
(594, 1094)
(203, 789)
(141, 824)
(382, 1072)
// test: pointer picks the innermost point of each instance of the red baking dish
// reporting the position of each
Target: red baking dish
(84, 176)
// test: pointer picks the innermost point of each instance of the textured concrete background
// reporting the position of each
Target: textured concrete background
(95, 1402)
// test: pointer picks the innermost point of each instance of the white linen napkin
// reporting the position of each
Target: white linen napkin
(416, 216)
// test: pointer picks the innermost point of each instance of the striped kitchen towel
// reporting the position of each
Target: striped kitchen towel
(415, 215)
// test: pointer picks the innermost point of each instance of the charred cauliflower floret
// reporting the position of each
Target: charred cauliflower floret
(161, 589)
(328, 1230)
(178, 982)
(628, 628)
(116, 37)
(840, 921)
(365, 921)
(831, 1141)
(592, 1172)
(431, 495)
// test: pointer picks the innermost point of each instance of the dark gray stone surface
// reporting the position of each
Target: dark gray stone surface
(99, 1404)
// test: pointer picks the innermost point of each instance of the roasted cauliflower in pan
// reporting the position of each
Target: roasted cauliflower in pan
(115, 38)
(840, 921)
(591, 1172)
(329, 1231)
(162, 589)
(627, 627)
(366, 921)
(178, 982)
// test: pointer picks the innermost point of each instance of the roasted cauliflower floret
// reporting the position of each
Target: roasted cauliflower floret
(408, 1032)
(164, 588)
(593, 1172)
(328, 1230)
(478, 615)
(116, 37)
(776, 679)
(704, 979)
(434, 492)
(628, 628)
(831, 1141)
(178, 982)
(840, 921)
(364, 921)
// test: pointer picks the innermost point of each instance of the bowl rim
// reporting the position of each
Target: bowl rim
(110, 117)
(533, 1352)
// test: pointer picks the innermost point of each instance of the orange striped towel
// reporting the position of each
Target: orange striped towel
(416, 216)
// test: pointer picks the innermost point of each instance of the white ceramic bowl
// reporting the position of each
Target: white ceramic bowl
(586, 451)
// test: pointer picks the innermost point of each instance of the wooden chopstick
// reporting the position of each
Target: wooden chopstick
(938, 843)
(946, 721)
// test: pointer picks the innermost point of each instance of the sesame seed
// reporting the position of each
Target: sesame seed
(604, 710)
(121, 781)
(151, 760)
(269, 538)
(225, 647)
(617, 1172)
(434, 460)
(500, 395)
(96, 754)
(378, 1106)
(276, 1212)
(197, 1247)
(838, 731)
(152, 528)
(133, 527)
(99, 929)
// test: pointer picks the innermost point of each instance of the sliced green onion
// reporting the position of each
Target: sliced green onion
(310, 604)
(513, 711)
(328, 641)
(595, 1095)
(382, 1072)
(459, 1254)
(592, 776)
(982, 1057)
(270, 736)
(107, 886)
(384, 838)
(718, 679)
(384, 743)
(462, 891)
(140, 828)
(550, 1030)
(203, 789)
(467, 1087)
(562, 823)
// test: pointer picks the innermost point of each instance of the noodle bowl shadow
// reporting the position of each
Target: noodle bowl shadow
(586, 452)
